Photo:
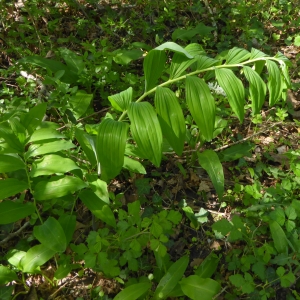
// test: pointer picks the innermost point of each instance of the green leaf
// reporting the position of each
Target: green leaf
(234, 90)
(7, 275)
(110, 147)
(121, 100)
(194, 286)
(204, 62)
(237, 55)
(55, 188)
(79, 103)
(223, 226)
(98, 207)
(133, 291)
(88, 144)
(51, 164)
(48, 147)
(10, 163)
(257, 89)
(74, 62)
(11, 186)
(6, 292)
(236, 151)
(274, 82)
(68, 223)
(124, 57)
(188, 34)
(18, 129)
(35, 257)
(210, 162)
(45, 134)
(9, 138)
(257, 54)
(297, 41)
(208, 267)
(51, 235)
(201, 105)
(171, 278)
(279, 237)
(146, 131)
(99, 187)
(34, 117)
(133, 165)
(154, 64)
(173, 47)
(171, 118)
(11, 212)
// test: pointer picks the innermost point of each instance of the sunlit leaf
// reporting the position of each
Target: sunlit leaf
(171, 118)
(204, 62)
(274, 82)
(7, 275)
(121, 100)
(201, 105)
(146, 130)
(133, 291)
(45, 134)
(173, 47)
(10, 163)
(80, 102)
(133, 165)
(237, 55)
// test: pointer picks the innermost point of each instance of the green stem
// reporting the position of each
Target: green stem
(166, 83)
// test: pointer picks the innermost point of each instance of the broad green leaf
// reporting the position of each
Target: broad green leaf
(55, 188)
(68, 223)
(236, 151)
(74, 62)
(154, 64)
(11, 212)
(173, 47)
(188, 34)
(201, 105)
(124, 57)
(98, 207)
(223, 226)
(210, 162)
(146, 131)
(11, 186)
(234, 90)
(171, 118)
(13, 145)
(45, 134)
(278, 236)
(274, 82)
(52, 65)
(51, 164)
(7, 275)
(6, 292)
(34, 117)
(80, 102)
(51, 235)
(121, 100)
(88, 144)
(194, 49)
(111, 141)
(35, 257)
(133, 291)
(208, 267)
(10, 163)
(133, 165)
(200, 288)
(257, 89)
(204, 62)
(257, 54)
(237, 55)
(171, 278)
(48, 147)
(18, 129)
(99, 187)
(14, 257)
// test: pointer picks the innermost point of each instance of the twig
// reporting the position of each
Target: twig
(11, 235)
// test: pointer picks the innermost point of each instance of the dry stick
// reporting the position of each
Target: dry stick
(11, 235)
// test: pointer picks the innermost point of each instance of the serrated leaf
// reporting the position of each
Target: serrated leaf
(278, 236)
(51, 235)
(146, 131)
(34, 117)
(210, 162)
(194, 286)
(51, 164)
(201, 105)
(154, 64)
(171, 118)
(121, 100)
(7, 275)
(257, 89)
(11, 212)
(171, 278)
(237, 55)
(134, 291)
(10, 163)
(133, 165)
(11, 186)
(48, 147)
(274, 82)
(57, 187)
(234, 90)
(35, 257)
(111, 141)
